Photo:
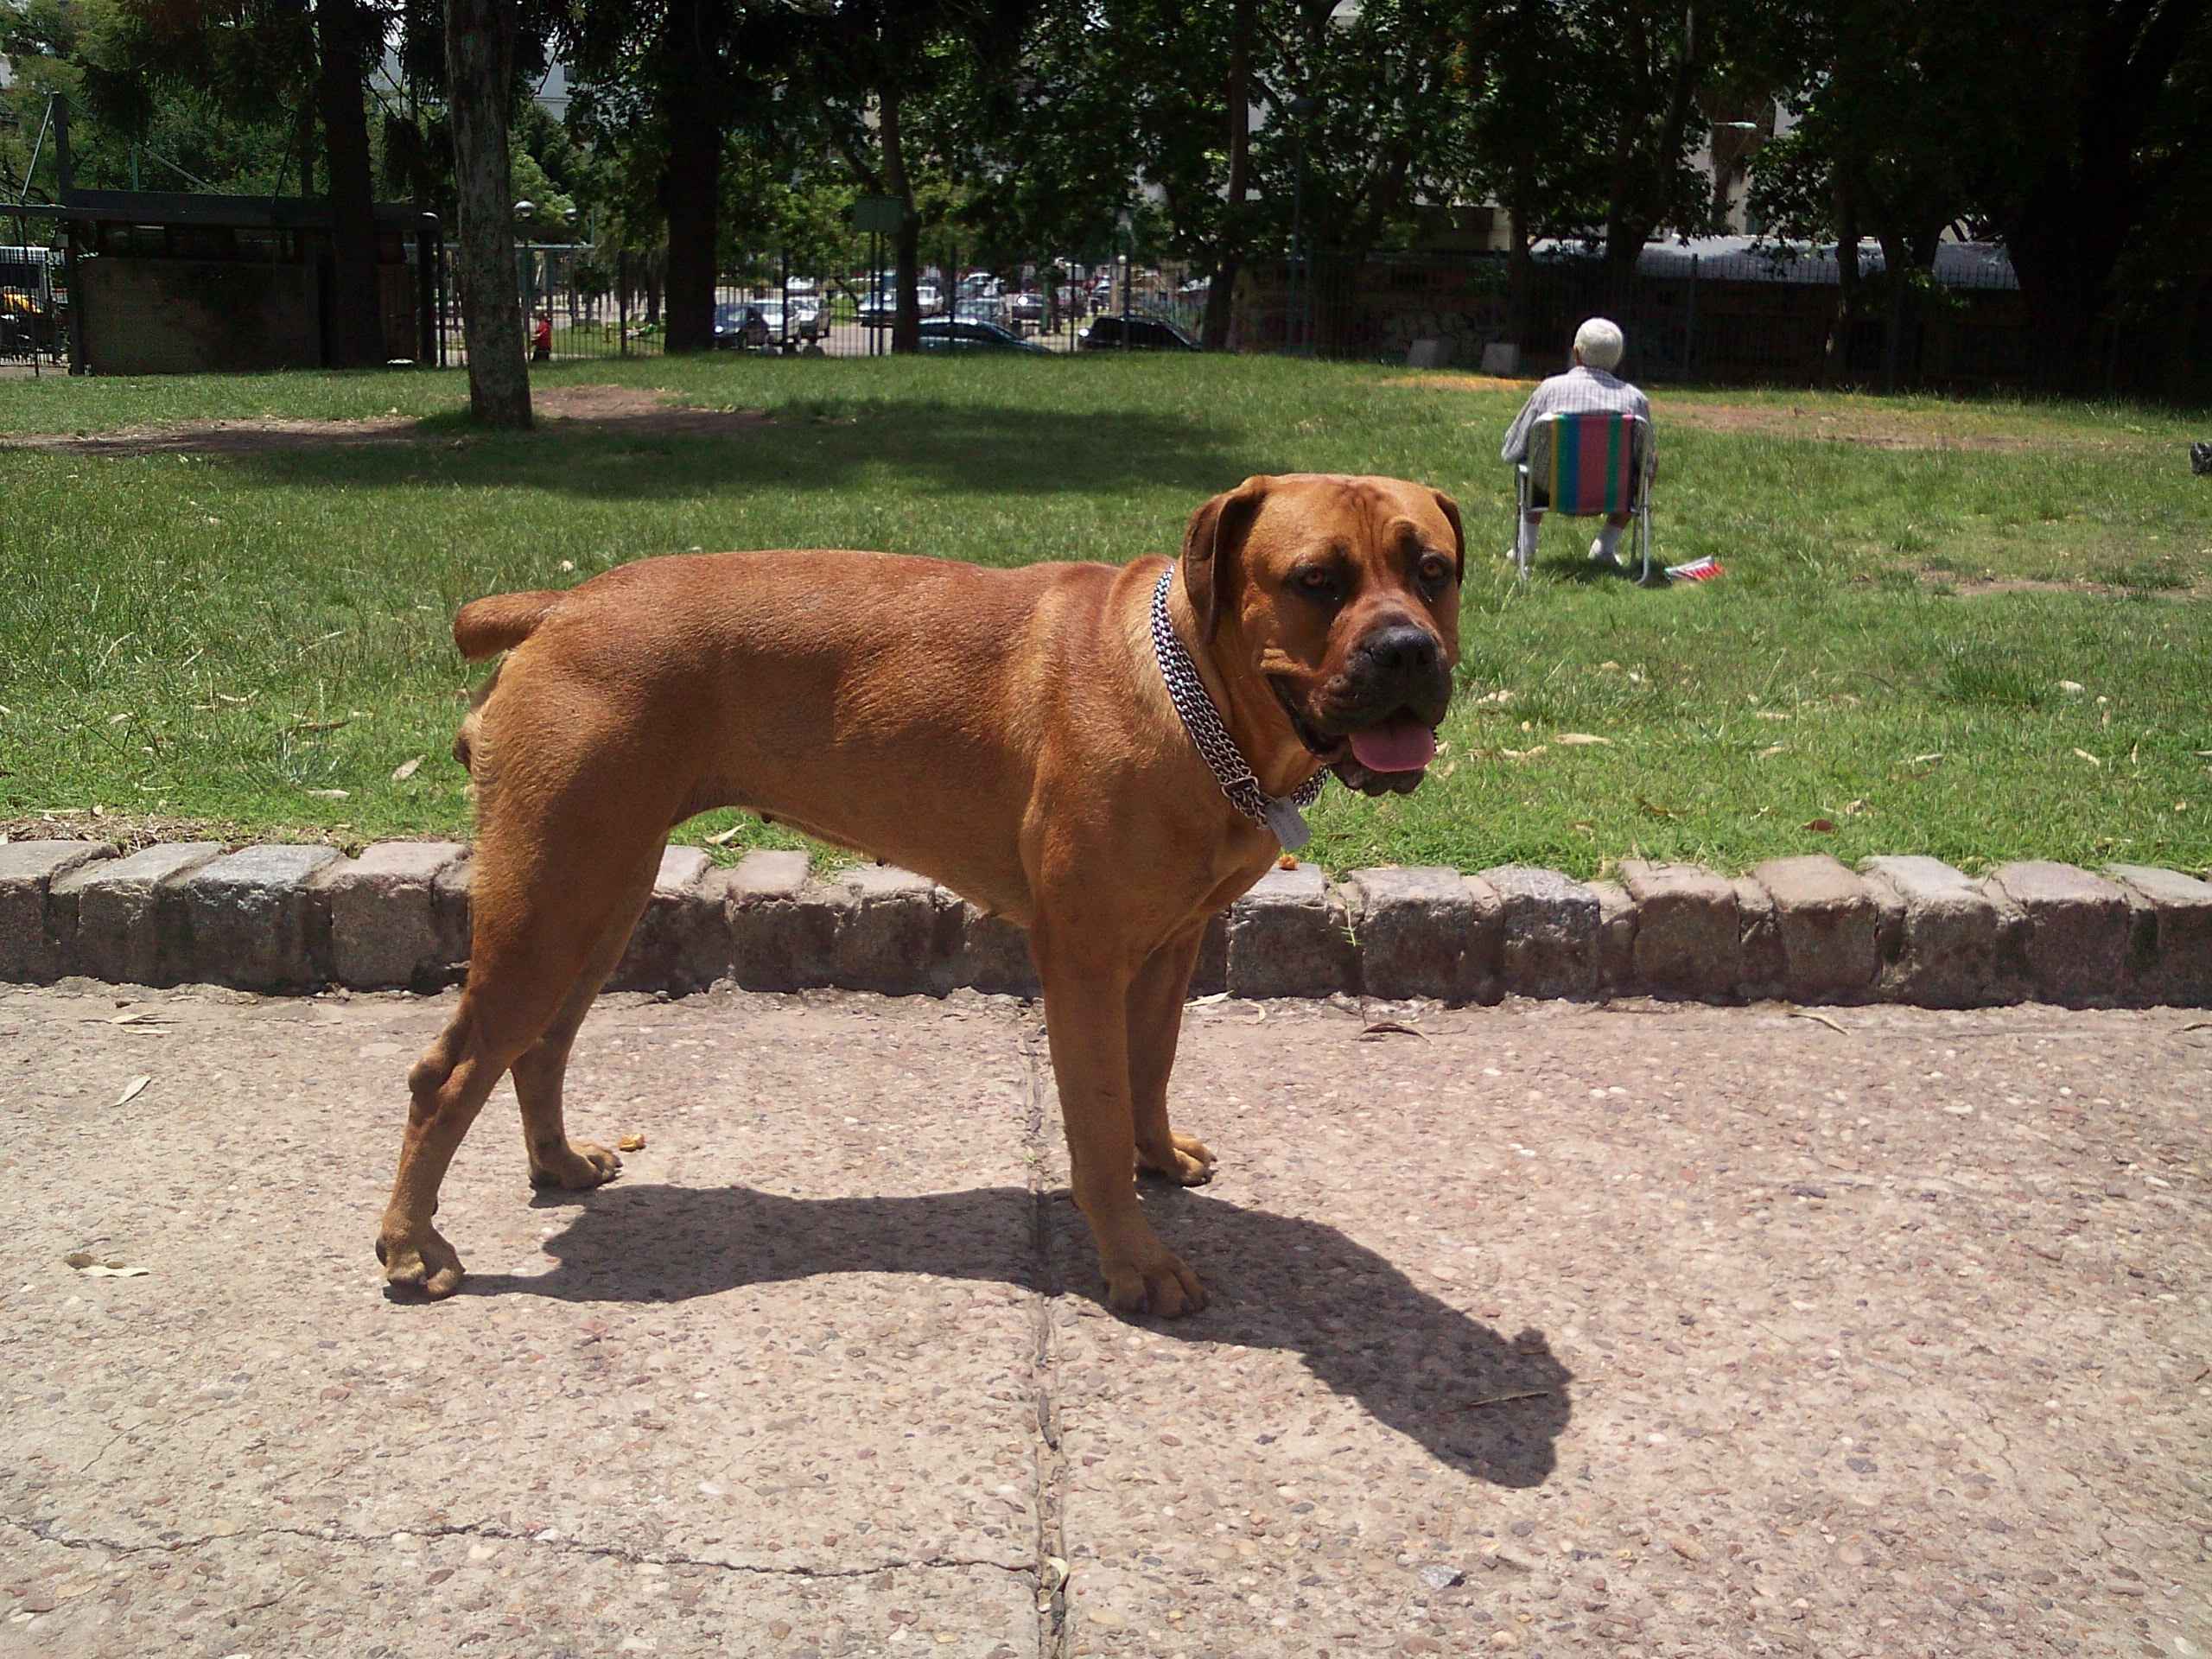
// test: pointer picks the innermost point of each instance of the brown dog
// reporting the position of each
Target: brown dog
(1006, 732)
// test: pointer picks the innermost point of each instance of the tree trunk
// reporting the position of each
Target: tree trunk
(357, 310)
(1229, 256)
(1520, 273)
(907, 242)
(2067, 235)
(479, 67)
(1896, 265)
(691, 192)
(1847, 283)
(1640, 174)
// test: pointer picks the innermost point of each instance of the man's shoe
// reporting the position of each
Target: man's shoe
(1599, 555)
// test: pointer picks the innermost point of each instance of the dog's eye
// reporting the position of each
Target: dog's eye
(1435, 568)
(1315, 582)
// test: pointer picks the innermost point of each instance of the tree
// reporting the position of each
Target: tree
(2066, 97)
(667, 85)
(2067, 129)
(479, 75)
(868, 73)
(263, 61)
(1875, 151)
(178, 135)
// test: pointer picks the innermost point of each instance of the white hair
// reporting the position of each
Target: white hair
(1600, 344)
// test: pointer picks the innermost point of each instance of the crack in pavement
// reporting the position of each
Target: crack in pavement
(366, 1540)
(1051, 1464)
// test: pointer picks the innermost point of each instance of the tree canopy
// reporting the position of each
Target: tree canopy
(1037, 131)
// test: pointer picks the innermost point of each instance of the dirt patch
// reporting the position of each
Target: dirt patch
(126, 830)
(631, 410)
(1462, 383)
(1876, 429)
(1992, 587)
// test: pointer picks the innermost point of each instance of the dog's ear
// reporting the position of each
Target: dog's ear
(1450, 509)
(1212, 541)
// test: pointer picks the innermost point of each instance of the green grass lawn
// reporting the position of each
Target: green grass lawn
(1914, 590)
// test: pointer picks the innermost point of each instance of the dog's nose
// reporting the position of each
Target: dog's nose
(1404, 649)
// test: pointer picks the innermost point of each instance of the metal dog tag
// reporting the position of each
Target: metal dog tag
(1288, 823)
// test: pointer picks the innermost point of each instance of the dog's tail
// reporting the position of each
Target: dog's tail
(500, 623)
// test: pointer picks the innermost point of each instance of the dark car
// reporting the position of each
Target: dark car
(962, 334)
(1118, 333)
(743, 327)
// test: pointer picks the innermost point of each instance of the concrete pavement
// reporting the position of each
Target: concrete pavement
(1549, 1328)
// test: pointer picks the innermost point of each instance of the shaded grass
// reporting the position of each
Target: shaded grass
(212, 639)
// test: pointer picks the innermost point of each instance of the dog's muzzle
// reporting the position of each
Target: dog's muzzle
(1375, 723)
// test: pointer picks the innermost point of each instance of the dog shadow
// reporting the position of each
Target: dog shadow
(1491, 1407)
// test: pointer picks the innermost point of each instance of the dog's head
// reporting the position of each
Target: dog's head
(1342, 594)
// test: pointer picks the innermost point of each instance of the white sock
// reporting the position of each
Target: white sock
(1527, 548)
(1608, 538)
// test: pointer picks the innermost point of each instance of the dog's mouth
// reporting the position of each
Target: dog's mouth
(1388, 756)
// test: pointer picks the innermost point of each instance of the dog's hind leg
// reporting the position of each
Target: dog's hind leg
(543, 921)
(1155, 1020)
(556, 1160)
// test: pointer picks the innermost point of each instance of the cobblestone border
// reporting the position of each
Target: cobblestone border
(1906, 928)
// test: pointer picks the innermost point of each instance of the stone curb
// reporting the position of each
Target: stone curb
(1904, 928)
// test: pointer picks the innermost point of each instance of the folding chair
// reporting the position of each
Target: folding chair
(1585, 465)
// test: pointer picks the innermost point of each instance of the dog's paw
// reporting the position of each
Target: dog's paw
(1158, 1284)
(573, 1166)
(1187, 1162)
(426, 1264)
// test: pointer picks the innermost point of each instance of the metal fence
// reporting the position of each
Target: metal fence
(1748, 316)
(583, 303)
(34, 297)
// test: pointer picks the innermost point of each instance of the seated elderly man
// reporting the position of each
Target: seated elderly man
(1589, 387)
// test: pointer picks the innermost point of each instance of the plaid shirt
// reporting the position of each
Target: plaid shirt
(1579, 391)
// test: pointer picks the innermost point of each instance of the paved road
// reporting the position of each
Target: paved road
(1548, 1330)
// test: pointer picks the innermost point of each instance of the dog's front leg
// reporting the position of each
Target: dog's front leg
(1086, 1017)
(1155, 1024)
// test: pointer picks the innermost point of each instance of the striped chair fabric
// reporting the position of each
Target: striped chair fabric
(1592, 463)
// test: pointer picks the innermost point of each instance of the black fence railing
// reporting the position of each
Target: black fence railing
(34, 297)
(1745, 318)
(581, 304)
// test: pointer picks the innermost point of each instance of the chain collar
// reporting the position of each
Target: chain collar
(1278, 815)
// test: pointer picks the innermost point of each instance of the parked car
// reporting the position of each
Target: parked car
(958, 334)
(758, 324)
(880, 305)
(1117, 333)
(1026, 308)
(742, 325)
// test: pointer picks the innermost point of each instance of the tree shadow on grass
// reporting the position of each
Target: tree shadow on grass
(1490, 1407)
(955, 448)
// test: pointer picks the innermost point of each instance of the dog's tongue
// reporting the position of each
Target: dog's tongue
(1400, 743)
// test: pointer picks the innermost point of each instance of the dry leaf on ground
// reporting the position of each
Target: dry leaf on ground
(406, 769)
(132, 1090)
(631, 1142)
(1382, 1029)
